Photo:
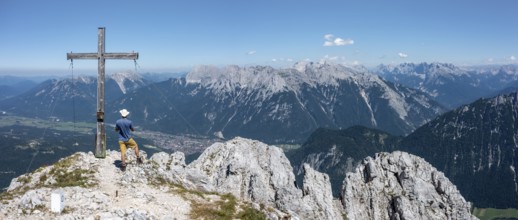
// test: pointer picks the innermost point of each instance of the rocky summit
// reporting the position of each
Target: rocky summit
(240, 178)
(237, 179)
(401, 186)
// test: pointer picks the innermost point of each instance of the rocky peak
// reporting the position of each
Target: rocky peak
(401, 186)
(256, 172)
(236, 178)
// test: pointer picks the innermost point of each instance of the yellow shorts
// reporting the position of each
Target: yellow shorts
(130, 143)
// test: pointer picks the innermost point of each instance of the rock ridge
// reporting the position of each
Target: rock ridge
(250, 177)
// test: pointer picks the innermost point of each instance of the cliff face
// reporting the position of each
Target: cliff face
(401, 186)
(238, 179)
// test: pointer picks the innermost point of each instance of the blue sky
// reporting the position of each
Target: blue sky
(177, 35)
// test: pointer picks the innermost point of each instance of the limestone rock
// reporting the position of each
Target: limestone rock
(389, 186)
(401, 186)
(256, 172)
(318, 196)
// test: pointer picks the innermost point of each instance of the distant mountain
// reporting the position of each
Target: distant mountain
(498, 77)
(278, 105)
(448, 84)
(501, 78)
(69, 98)
(476, 147)
(13, 86)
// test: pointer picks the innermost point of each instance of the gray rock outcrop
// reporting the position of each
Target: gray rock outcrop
(401, 186)
(254, 171)
(258, 176)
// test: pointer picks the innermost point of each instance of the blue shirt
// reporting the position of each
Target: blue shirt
(124, 127)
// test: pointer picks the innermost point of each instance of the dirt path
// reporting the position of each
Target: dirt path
(127, 190)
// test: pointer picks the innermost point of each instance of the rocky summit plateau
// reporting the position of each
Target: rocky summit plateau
(237, 179)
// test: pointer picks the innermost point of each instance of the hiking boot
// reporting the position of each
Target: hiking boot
(123, 167)
(139, 160)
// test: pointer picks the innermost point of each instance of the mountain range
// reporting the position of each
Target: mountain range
(11, 86)
(451, 85)
(260, 102)
(278, 105)
(70, 98)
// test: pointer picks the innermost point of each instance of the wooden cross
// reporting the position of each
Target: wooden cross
(101, 56)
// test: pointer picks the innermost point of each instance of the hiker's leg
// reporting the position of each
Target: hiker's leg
(134, 145)
(123, 152)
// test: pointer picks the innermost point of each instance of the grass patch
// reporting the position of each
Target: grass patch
(65, 177)
(221, 210)
(24, 179)
(251, 213)
(491, 213)
(177, 188)
(225, 209)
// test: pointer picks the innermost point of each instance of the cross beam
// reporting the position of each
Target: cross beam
(101, 56)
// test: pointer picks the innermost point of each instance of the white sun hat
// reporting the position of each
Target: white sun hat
(124, 112)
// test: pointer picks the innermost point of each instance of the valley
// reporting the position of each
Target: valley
(29, 143)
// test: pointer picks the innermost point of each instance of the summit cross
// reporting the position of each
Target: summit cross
(101, 56)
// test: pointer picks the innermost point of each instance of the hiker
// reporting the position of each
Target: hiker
(124, 127)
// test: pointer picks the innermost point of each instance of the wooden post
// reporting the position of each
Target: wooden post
(101, 56)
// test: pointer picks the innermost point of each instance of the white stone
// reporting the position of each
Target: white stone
(57, 201)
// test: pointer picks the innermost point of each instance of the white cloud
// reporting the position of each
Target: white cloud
(341, 42)
(252, 52)
(332, 41)
(328, 44)
(513, 58)
(274, 60)
(402, 55)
